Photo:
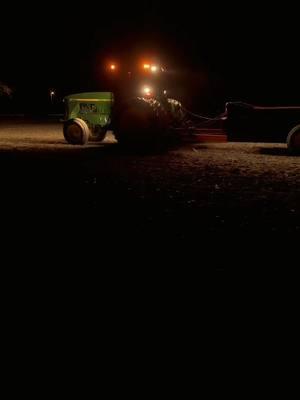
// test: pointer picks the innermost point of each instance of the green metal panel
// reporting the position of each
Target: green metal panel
(94, 108)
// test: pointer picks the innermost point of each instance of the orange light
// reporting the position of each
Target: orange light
(154, 68)
(112, 67)
(146, 66)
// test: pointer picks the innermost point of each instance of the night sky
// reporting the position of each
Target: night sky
(216, 52)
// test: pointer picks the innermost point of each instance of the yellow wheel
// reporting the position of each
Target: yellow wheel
(293, 140)
(76, 131)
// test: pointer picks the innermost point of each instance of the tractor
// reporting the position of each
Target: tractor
(137, 109)
(142, 116)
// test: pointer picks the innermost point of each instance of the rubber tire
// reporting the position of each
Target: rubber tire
(98, 134)
(76, 131)
(293, 140)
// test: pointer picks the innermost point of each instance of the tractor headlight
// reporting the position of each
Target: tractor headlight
(152, 68)
(147, 91)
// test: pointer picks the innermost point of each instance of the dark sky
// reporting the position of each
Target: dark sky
(243, 52)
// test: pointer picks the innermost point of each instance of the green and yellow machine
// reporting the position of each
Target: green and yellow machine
(87, 116)
(142, 116)
(137, 110)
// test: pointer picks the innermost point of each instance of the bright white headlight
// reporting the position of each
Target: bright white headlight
(147, 91)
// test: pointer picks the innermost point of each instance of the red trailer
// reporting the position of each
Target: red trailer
(247, 122)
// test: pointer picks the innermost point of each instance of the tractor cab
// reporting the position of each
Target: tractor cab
(136, 108)
(140, 79)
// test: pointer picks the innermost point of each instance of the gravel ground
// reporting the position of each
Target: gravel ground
(121, 245)
(199, 193)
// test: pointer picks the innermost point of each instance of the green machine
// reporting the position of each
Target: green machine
(137, 109)
(87, 116)
(141, 114)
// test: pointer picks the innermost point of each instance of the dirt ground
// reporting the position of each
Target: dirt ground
(196, 194)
